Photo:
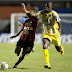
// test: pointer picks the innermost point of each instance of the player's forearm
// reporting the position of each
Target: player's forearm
(59, 29)
(25, 10)
(24, 7)
(59, 24)
(18, 33)
(14, 36)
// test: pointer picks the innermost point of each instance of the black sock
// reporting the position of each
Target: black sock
(20, 59)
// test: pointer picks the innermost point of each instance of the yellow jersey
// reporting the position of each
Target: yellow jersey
(49, 20)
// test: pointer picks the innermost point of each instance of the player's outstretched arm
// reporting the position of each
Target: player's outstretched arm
(59, 24)
(17, 34)
(24, 7)
(12, 37)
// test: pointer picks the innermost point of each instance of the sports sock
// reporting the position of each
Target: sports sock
(62, 48)
(46, 55)
(20, 59)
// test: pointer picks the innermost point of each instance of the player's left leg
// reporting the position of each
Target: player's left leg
(46, 43)
(19, 61)
(57, 43)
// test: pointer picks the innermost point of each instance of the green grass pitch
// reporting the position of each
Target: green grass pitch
(34, 62)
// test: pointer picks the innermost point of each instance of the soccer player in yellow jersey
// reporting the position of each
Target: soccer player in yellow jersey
(52, 30)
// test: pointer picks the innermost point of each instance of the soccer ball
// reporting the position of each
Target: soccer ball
(3, 66)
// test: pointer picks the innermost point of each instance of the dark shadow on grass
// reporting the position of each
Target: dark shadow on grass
(22, 68)
(18, 68)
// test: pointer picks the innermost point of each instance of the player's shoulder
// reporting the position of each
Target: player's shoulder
(55, 13)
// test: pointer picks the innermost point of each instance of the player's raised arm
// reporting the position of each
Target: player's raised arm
(31, 13)
(24, 7)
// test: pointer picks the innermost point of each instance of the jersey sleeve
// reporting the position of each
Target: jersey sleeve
(57, 17)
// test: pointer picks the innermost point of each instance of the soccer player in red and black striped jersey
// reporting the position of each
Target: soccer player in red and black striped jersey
(26, 40)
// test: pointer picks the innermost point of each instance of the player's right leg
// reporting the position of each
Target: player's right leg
(19, 61)
(57, 42)
(46, 43)
(60, 49)
(20, 44)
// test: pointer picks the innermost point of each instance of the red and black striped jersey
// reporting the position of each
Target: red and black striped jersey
(29, 29)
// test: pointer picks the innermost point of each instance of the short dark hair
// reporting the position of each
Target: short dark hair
(35, 10)
(49, 3)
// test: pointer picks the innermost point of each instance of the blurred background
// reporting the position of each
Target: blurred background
(11, 11)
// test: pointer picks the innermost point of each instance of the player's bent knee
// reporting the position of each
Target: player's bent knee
(16, 51)
(57, 48)
(45, 46)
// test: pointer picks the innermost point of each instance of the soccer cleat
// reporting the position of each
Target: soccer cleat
(15, 66)
(62, 52)
(47, 66)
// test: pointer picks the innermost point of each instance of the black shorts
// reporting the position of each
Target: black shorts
(27, 46)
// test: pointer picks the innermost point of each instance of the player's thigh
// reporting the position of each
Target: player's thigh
(56, 40)
(28, 47)
(19, 45)
(46, 39)
(17, 49)
(46, 36)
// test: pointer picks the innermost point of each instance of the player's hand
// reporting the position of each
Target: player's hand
(12, 37)
(59, 31)
(23, 5)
